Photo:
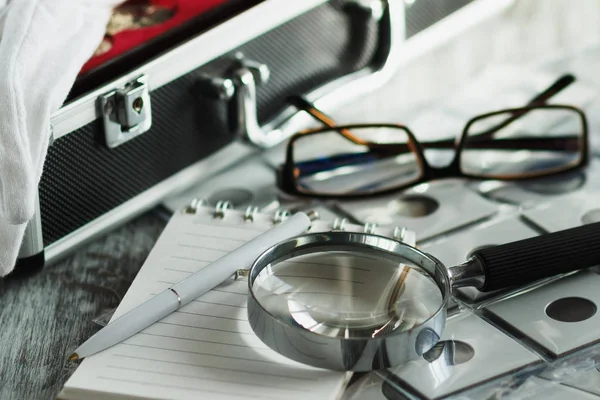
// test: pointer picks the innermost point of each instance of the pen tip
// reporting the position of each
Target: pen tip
(73, 357)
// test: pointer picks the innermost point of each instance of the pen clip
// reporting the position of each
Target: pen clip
(241, 274)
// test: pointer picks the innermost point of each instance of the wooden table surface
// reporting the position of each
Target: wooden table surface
(44, 317)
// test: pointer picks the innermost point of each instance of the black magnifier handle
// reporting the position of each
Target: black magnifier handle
(528, 260)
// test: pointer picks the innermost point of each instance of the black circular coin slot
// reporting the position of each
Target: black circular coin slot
(450, 352)
(414, 206)
(571, 309)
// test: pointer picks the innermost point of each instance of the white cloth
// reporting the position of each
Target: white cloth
(43, 45)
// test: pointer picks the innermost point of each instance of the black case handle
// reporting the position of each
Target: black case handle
(528, 260)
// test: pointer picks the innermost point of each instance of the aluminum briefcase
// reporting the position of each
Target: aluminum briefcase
(161, 117)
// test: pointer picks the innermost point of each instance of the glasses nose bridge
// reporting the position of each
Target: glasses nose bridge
(451, 170)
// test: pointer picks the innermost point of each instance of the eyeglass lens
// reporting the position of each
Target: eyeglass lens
(539, 141)
(374, 159)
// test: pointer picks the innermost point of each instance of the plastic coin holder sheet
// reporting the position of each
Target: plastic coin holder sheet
(249, 182)
(562, 392)
(471, 352)
(457, 247)
(568, 211)
(558, 318)
(588, 381)
(375, 387)
(540, 389)
(428, 209)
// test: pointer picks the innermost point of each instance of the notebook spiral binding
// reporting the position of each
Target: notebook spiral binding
(249, 215)
(399, 233)
(221, 208)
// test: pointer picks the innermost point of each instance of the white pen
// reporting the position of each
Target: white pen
(190, 288)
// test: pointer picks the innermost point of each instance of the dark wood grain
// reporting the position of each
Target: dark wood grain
(44, 317)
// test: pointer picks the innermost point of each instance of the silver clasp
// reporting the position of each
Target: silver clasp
(126, 112)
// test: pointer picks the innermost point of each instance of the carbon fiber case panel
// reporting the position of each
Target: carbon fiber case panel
(421, 14)
(83, 179)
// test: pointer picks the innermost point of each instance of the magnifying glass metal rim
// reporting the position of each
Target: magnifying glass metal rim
(348, 353)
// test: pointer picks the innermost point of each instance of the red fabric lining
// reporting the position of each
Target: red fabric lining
(126, 40)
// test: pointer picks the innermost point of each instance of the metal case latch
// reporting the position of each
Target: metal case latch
(126, 112)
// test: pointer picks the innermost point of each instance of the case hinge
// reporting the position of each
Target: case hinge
(247, 75)
(126, 112)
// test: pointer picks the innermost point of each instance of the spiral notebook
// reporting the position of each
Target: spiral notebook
(207, 348)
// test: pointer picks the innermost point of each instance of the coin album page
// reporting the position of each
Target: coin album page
(539, 389)
(514, 318)
(588, 381)
(461, 360)
(558, 318)
(428, 209)
(567, 211)
(251, 181)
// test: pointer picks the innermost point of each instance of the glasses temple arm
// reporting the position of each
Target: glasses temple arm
(560, 84)
(304, 105)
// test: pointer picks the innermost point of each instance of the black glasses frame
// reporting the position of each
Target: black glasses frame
(288, 182)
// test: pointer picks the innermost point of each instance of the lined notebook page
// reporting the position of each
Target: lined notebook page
(207, 348)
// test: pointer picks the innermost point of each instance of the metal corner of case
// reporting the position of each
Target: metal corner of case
(28, 266)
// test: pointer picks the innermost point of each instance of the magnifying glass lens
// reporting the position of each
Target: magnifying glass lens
(348, 294)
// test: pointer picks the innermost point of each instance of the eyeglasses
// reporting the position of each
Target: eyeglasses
(359, 160)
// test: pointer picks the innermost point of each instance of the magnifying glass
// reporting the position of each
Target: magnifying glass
(360, 302)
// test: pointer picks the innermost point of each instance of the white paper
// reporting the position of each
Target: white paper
(207, 348)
